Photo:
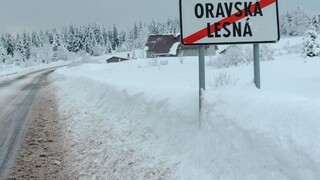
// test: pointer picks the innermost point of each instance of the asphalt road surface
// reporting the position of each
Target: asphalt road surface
(16, 98)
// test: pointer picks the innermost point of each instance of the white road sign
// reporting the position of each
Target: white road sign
(229, 21)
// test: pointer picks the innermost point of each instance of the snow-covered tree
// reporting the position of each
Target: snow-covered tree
(56, 40)
(8, 42)
(3, 54)
(98, 34)
(115, 38)
(295, 22)
(311, 46)
(135, 31)
(286, 24)
(35, 40)
(122, 38)
(43, 38)
(233, 56)
(76, 43)
(22, 48)
(60, 52)
(27, 48)
(154, 28)
(89, 40)
(140, 42)
(43, 54)
(315, 22)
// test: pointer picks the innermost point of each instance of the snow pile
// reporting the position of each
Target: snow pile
(130, 120)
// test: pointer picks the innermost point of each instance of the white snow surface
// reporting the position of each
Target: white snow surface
(132, 120)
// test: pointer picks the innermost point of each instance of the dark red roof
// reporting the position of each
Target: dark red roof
(161, 44)
(116, 59)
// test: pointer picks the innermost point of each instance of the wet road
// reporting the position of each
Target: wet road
(16, 99)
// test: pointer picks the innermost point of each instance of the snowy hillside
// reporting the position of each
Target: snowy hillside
(139, 119)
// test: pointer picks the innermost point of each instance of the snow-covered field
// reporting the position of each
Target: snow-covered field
(139, 120)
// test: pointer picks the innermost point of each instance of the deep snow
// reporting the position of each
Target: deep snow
(147, 113)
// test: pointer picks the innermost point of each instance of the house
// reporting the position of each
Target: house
(160, 45)
(115, 59)
(170, 45)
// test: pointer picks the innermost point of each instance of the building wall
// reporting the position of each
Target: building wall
(150, 54)
(195, 52)
(211, 51)
(116, 59)
(189, 52)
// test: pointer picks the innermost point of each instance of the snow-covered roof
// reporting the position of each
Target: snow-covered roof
(162, 44)
(174, 48)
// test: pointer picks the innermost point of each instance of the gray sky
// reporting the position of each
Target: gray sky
(19, 15)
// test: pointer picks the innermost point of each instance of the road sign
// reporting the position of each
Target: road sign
(229, 21)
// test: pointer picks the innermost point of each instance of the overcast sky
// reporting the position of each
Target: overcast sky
(19, 15)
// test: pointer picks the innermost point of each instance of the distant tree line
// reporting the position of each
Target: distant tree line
(59, 44)
(297, 21)
(300, 22)
(94, 39)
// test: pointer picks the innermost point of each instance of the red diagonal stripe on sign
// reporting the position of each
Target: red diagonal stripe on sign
(233, 18)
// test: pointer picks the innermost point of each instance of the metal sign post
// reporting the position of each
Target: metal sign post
(202, 81)
(256, 64)
(209, 22)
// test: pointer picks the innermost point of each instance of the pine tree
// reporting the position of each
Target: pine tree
(295, 22)
(60, 52)
(153, 28)
(98, 34)
(88, 41)
(23, 46)
(70, 38)
(49, 36)
(111, 39)
(315, 22)
(108, 40)
(142, 38)
(135, 31)
(122, 38)
(3, 54)
(8, 43)
(43, 38)
(76, 41)
(129, 41)
(115, 37)
(286, 25)
(35, 40)
(311, 46)
(56, 40)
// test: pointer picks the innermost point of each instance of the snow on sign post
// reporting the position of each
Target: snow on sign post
(206, 22)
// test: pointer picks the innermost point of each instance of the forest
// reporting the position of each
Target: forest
(45, 46)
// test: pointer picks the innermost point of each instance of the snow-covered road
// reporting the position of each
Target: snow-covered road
(16, 98)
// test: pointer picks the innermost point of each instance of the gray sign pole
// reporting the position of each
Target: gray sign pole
(202, 85)
(256, 64)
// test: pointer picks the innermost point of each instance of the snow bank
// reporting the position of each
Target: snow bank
(148, 116)
(11, 71)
